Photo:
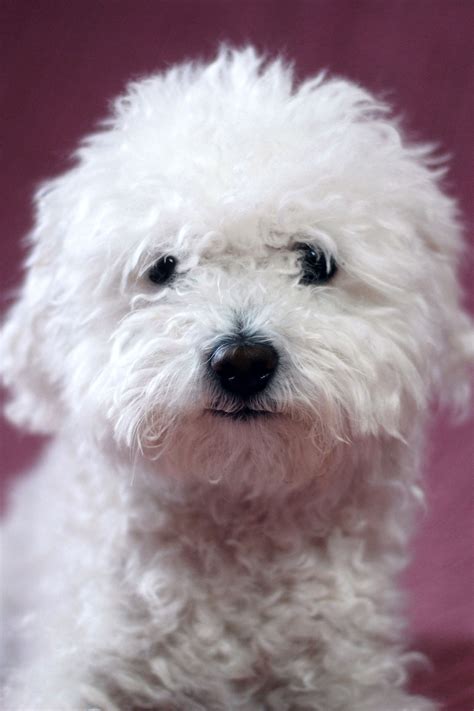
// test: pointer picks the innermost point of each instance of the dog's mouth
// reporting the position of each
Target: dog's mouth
(243, 414)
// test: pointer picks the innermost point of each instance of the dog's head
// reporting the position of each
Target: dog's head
(238, 271)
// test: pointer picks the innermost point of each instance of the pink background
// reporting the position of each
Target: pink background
(63, 61)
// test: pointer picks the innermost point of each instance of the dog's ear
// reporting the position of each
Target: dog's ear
(30, 346)
(456, 367)
(440, 227)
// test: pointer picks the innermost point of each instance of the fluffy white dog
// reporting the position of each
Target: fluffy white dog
(238, 303)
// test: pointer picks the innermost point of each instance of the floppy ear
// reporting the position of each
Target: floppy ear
(439, 225)
(456, 368)
(28, 353)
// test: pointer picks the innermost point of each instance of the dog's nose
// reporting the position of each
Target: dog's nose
(244, 368)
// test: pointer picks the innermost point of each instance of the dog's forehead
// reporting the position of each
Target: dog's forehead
(255, 231)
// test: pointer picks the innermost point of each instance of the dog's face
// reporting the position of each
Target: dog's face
(239, 276)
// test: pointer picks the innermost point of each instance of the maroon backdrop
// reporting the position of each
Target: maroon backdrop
(62, 63)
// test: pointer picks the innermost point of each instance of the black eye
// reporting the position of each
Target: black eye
(162, 270)
(315, 266)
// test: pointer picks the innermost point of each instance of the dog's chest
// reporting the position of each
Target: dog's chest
(225, 610)
(236, 608)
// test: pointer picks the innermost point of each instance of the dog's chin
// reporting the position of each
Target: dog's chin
(247, 451)
(242, 414)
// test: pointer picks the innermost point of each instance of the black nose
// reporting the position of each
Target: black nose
(244, 368)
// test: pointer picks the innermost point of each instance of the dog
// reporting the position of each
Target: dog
(239, 302)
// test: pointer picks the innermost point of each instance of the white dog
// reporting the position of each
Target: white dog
(238, 303)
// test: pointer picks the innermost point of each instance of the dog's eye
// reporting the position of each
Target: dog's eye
(162, 270)
(315, 267)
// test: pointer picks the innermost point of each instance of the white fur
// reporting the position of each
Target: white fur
(160, 557)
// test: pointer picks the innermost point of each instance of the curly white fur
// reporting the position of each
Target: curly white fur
(161, 557)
